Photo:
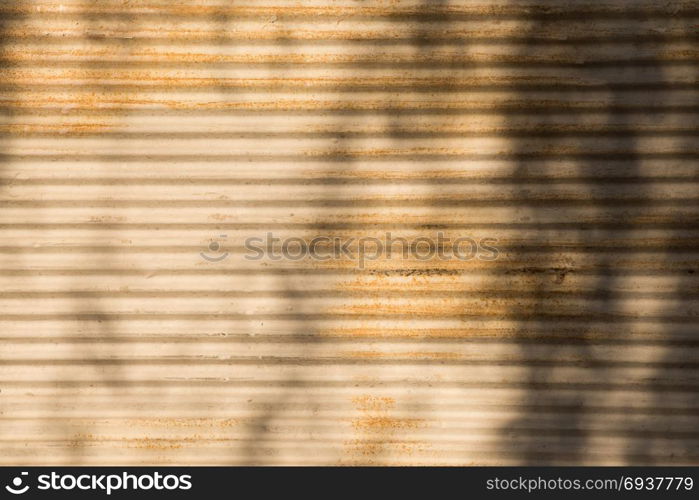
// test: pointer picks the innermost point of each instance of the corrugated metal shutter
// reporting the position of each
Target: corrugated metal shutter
(135, 132)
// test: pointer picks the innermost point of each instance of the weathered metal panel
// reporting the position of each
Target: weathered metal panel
(133, 134)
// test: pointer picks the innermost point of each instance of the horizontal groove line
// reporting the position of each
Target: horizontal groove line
(363, 28)
(514, 201)
(423, 14)
(382, 111)
(583, 339)
(262, 61)
(321, 179)
(373, 292)
(342, 156)
(423, 37)
(355, 107)
(324, 88)
(219, 422)
(618, 271)
(159, 316)
(676, 243)
(335, 361)
(354, 383)
(678, 224)
(624, 131)
(274, 438)
(554, 403)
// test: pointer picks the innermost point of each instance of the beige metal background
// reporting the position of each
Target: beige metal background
(133, 133)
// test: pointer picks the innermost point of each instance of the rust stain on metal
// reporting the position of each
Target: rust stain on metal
(367, 402)
(136, 133)
(401, 355)
(74, 129)
(198, 423)
(379, 433)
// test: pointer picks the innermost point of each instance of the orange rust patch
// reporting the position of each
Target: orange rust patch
(369, 403)
(400, 355)
(79, 440)
(186, 422)
(397, 174)
(420, 333)
(60, 128)
(383, 423)
(422, 280)
(161, 443)
(378, 433)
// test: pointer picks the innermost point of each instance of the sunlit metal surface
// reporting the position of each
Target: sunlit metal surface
(135, 135)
